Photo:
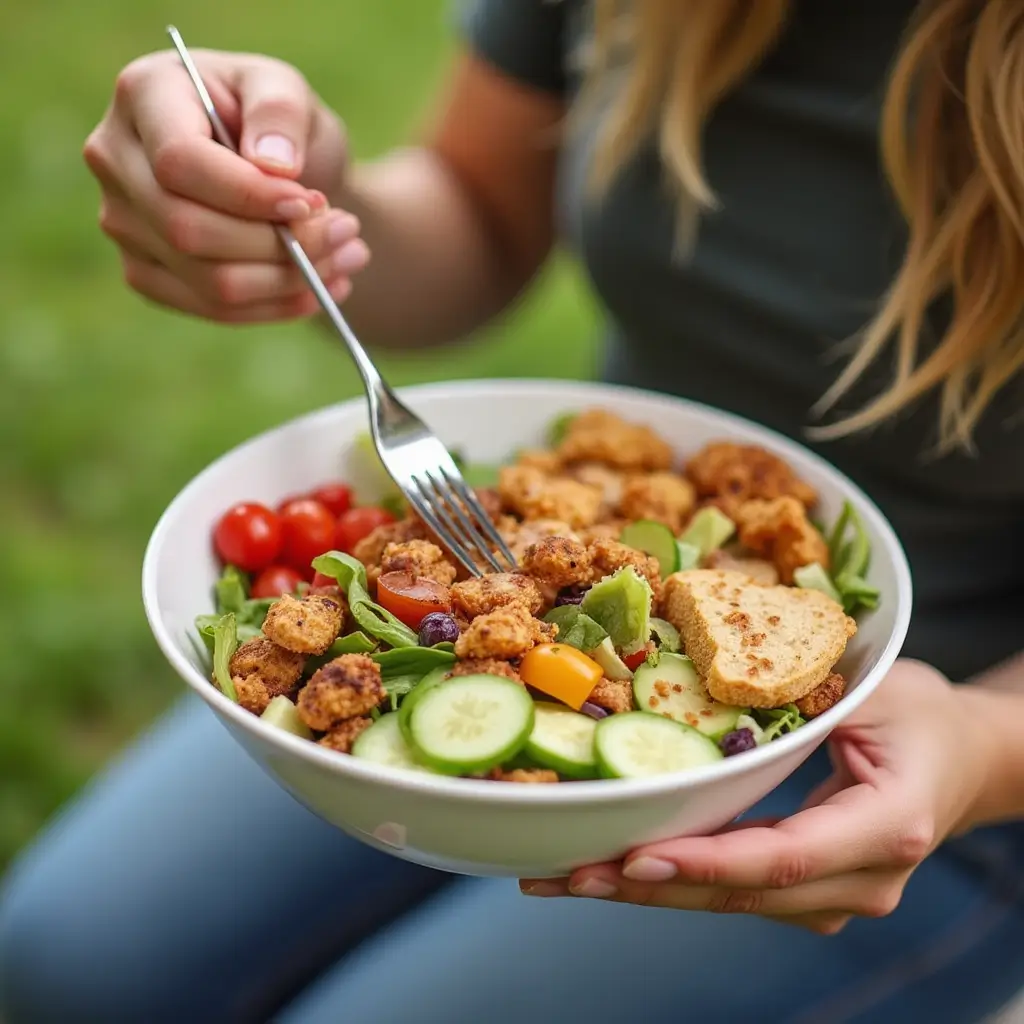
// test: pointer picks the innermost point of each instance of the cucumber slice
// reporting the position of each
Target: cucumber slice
(432, 678)
(470, 724)
(611, 664)
(283, 713)
(673, 688)
(563, 739)
(667, 636)
(689, 555)
(653, 539)
(637, 744)
(384, 743)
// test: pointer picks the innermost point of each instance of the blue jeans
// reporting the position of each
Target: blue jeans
(185, 886)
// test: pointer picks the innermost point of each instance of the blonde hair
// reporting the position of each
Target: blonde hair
(952, 145)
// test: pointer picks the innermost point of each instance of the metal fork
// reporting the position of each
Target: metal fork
(414, 458)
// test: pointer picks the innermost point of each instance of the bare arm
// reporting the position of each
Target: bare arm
(459, 225)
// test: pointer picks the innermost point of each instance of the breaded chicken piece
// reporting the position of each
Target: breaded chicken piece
(343, 688)
(780, 531)
(486, 667)
(608, 556)
(609, 529)
(600, 436)
(277, 669)
(370, 549)
(252, 693)
(342, 736)
(758, 569)
(528, 775)
(519, 536)
(490, 500)
(505, 633)
(531, 494)
(539, 458)
(483, 594)
(420, 558)
(819, 700)
(614, 695)
(731, 474)
(608, 481)
(307, 626)
(557, 562)
(664, 497)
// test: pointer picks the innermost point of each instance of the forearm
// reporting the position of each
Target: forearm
(436, 272)
(994, 705)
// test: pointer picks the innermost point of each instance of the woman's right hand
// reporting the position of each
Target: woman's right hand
(192, 219)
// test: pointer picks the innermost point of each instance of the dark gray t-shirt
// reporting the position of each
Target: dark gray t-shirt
(805, 242)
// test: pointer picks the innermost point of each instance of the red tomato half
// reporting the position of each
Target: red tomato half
(356, 523)
(274, 581)
(248, 535)
(634, 661)
(322, 580)
(307, 529)
(411, 598)
(336, 497)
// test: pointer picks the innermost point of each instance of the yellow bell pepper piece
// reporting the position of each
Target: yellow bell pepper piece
(562, 672)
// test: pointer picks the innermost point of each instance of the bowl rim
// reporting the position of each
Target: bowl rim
(476, 790)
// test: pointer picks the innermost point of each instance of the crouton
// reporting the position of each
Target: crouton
(343, 736)
(306, 626)
(662, 497)
(485, 667)
(820, 699)
(614, 695)
(483, 594)
(419, 558)
(344, 688)
(557, 561)
(756, 646)
(507, 632)
(600, 436)
(780, 530)
(532, 494)
(758, 569)
(277, 669)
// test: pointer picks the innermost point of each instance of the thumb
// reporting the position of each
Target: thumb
(277, 108)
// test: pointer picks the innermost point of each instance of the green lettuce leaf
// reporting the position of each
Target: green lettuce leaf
(225, 643)
(575, 628)
(413, 661)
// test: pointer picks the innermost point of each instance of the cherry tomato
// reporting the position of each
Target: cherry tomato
(561, 672)
(356, 523)
(307, 529)
(337, 497)
(274, 581)
(249, 536)
(322, 580)
(412, 598)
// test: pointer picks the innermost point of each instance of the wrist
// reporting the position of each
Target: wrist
(992, 718)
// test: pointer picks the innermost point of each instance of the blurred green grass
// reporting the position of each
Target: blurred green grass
(108, 405)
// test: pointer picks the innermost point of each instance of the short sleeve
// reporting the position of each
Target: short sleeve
(522, 38)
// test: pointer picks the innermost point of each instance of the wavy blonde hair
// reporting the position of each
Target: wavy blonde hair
(952, 144)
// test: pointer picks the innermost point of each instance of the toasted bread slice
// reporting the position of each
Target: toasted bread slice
(755, 646)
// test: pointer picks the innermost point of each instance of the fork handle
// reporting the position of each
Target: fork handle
(377, 389)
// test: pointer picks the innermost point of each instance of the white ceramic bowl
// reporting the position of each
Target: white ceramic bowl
(478, 827)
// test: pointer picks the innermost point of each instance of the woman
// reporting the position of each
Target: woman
(746, 183)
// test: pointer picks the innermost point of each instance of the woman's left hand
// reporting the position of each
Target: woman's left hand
(909, 767)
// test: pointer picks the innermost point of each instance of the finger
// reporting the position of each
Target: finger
(277, 116)
(187, 161)
(827, 922)
(856, 828)
(120, 222)
(164, 287)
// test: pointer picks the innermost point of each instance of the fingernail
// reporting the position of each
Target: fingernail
(649, 869)
(293, 209)
(275, 149)
(542, 889)
(351, 257)
(593, 888)
(343, 227)
(317, 200)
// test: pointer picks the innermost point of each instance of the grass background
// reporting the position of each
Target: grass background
(108, 406)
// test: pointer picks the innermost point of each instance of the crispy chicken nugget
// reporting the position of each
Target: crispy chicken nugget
(486, 667)
(306, 626)
(532, 494)
(608, 481)
(539, 458)
(252, 693)
(276, 668)
(344, 688)
(614, 695)
(608, 556)
(483, 594)
(557, 561)
(527, 775)
(732, 473)
(519, 536)
(780, 531)
(371, 548)
(418, 558)
(505, 633)
(342, 736)
(600, 436)
(609, 529)
(663, 497)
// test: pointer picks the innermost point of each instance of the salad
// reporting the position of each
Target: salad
(662, 616)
